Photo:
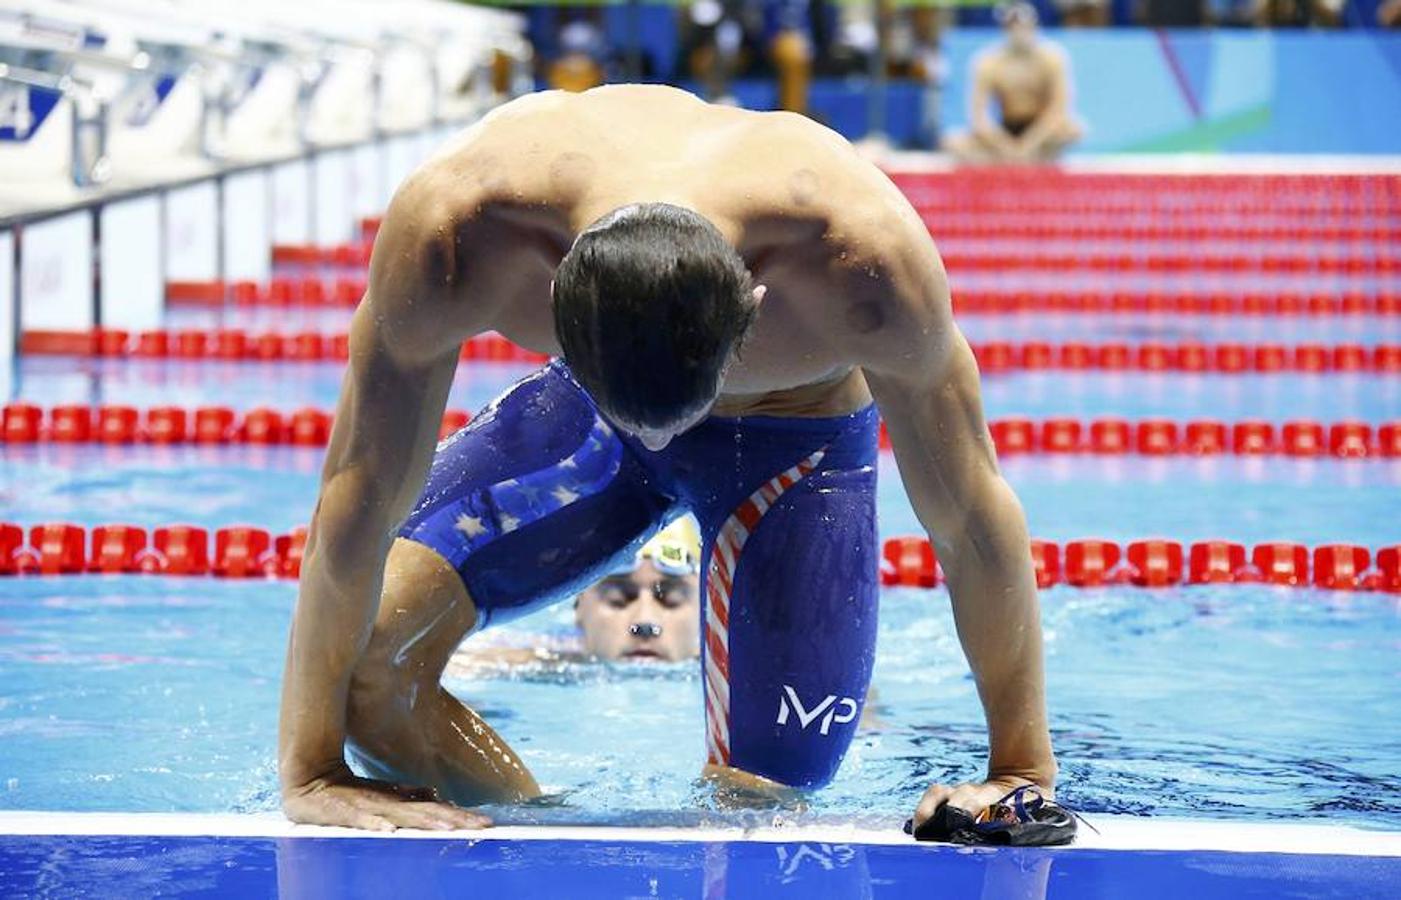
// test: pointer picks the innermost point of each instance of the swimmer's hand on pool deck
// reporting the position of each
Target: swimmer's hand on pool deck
(344, 798)
(924, 379)
(386, 426)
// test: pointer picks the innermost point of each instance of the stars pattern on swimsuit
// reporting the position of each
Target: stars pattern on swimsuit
(471, 526)
(512, 504)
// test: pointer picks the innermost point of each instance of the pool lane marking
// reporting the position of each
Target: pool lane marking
(1116, 832)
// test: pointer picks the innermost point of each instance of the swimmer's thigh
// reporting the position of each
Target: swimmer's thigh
(790, 639)
(528, 504)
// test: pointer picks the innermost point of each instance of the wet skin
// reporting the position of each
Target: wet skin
(857, 308)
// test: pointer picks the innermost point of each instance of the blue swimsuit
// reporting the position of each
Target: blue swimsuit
(539, 497)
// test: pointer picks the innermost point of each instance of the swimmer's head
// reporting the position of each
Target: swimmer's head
(647, 609)
(1019, 20)
(651, 304)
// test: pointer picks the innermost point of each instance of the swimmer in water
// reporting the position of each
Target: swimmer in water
(1030, 81)
(646, 609)
(731, 297)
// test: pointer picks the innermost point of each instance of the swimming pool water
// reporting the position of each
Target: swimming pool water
(140, 694)
(135, 693)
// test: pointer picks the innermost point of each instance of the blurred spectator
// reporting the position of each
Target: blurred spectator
(1030, 80)
(582, 50)
(1083, 13)
(1389, 14)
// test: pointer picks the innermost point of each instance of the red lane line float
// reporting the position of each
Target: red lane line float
(247, 551)
(23, 423)
(992, 356)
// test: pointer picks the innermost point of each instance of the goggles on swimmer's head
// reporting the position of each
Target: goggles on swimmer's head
(674, 551)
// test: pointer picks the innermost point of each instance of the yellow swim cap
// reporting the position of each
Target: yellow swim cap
(675, 550)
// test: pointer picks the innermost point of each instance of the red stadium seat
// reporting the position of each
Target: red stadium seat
(1089, 563)
(1282, 563)
(338, 347)
(1045, 556)
(1155, 563)
(166, 425)
(116, 424)
(1012, 436)
(115, 548)
(238, 552)
(180, 550)
(22, 423)
(1386, 358)
(60, 548)
(1215, 561)
(1339, 566)
(909, 561)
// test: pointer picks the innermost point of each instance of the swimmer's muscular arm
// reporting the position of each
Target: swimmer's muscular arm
(403, 349)
(925, 382)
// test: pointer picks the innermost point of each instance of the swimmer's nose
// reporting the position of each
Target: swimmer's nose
(645, 630)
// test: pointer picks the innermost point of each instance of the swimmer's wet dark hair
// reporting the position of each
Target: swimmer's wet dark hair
(650, 303)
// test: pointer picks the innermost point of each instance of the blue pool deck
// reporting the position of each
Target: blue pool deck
(46, 854)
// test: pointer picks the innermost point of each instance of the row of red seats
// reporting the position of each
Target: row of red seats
(1189, 357)
(25, 423)
(236, 344)
(1385, 303)
(344, 290)
(1045, 261)
(61, 548)
(911, 561)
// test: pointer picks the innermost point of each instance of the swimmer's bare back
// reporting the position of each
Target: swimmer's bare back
(857, 306)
